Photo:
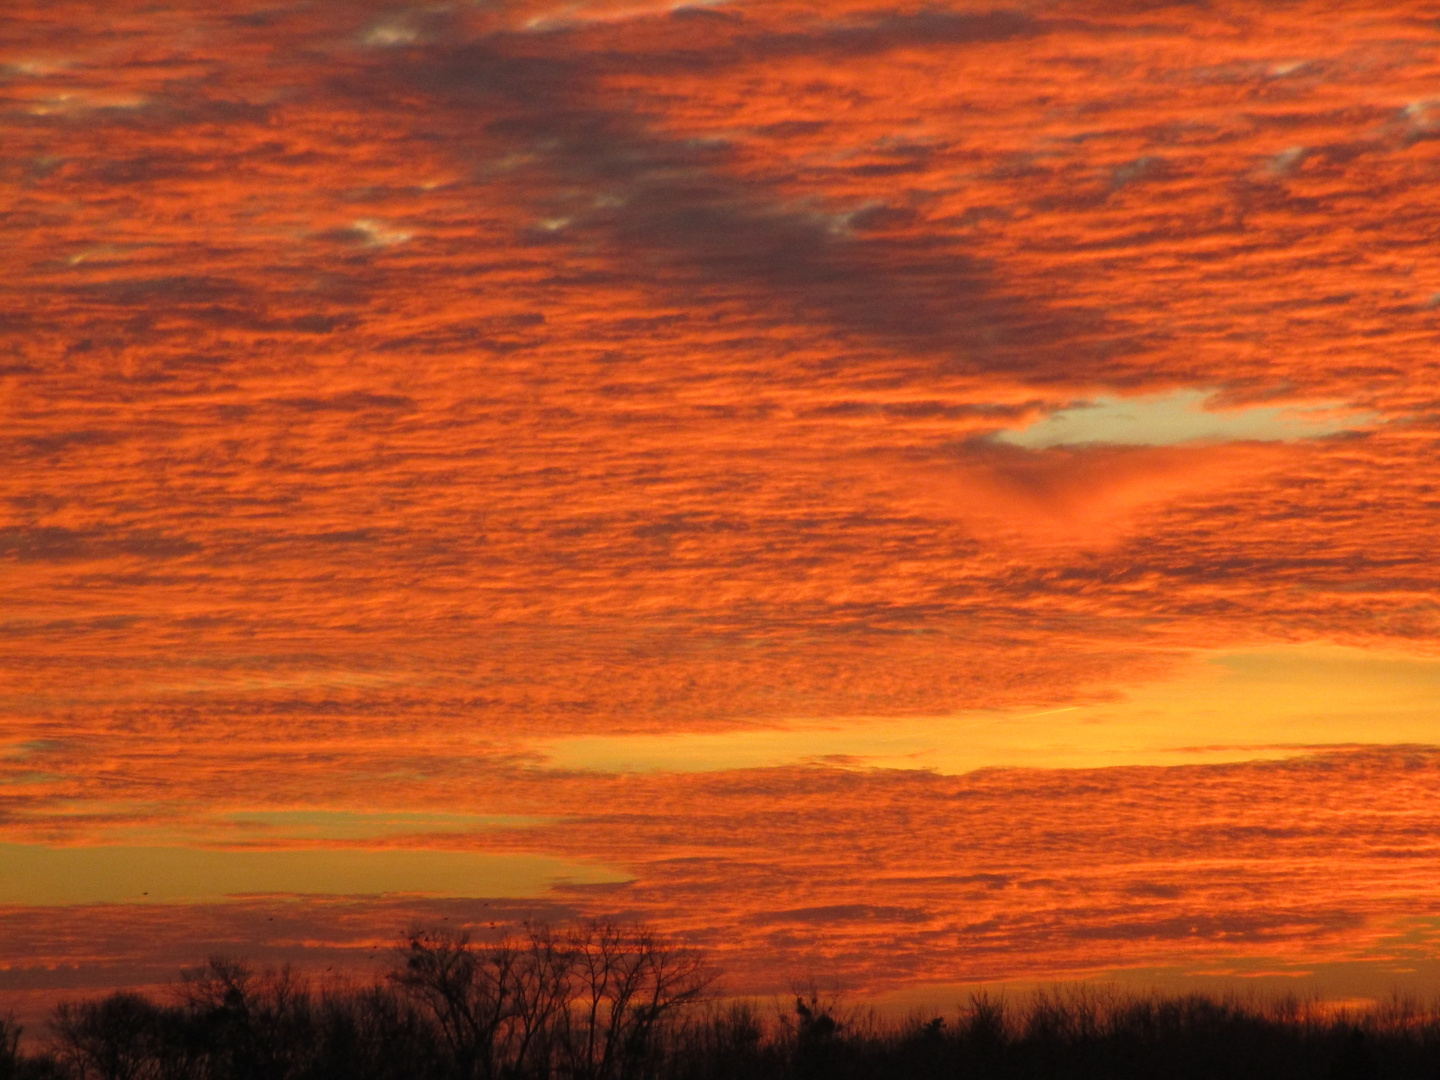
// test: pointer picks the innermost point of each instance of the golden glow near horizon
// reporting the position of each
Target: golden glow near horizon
(36, 875)
(1227, 706)
(803, 474)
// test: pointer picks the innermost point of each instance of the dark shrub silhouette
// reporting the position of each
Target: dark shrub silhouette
(817, 1042)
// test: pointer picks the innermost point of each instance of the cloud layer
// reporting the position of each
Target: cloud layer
(388, 391)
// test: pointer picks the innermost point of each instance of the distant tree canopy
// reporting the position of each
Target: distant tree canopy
(602, 1002)
(589, 1003)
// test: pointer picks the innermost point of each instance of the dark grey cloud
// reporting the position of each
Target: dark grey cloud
(60, 441)
(675, 215)
(353, 401)
(1237, 927)
(1152, 889)
(839, 913)
(53, 543)
(723, 39)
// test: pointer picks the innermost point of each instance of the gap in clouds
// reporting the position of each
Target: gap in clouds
(1222, 706)
(37, 875)
(1181, 416)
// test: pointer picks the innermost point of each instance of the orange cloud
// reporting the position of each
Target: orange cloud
(386, 392)
(1085, 496)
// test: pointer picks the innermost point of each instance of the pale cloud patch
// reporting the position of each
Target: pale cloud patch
(1283, 69)
(390, 35)
(1181, 416)
(593, 11)
(73, 103)
(34, 68)
(1287, 160)
(375, 233)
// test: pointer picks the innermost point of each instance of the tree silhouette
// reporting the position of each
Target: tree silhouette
(115, 1038)
(9, 1048)
(587, 1004)
(605, 1002)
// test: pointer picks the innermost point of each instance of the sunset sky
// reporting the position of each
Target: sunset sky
(906, 495)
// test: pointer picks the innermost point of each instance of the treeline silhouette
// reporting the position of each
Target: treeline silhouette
(601, 1002)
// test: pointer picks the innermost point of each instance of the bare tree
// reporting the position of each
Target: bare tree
(629, 983)
(495, 1005)
(546, 982)
(113, 1038)
(9, 1047)
(586, 1005)
(248, 1025)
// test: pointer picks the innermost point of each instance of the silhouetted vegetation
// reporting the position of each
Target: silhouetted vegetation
(602, 1003)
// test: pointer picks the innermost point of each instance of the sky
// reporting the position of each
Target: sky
(903, 495)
